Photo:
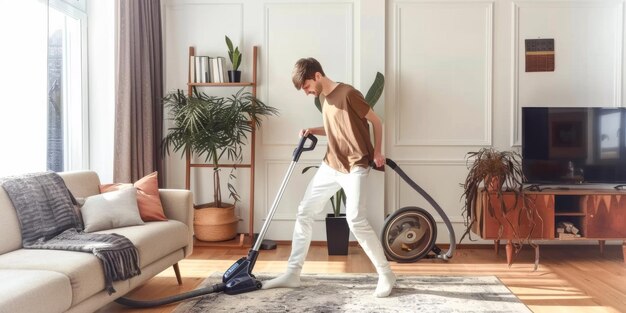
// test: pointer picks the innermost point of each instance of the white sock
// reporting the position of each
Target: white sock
(290, 279)
(386, 282)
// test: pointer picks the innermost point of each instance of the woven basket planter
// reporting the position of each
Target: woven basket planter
(215, 224)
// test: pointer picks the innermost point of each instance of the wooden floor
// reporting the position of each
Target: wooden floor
(569, 279)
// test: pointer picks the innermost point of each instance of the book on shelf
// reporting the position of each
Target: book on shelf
(205, 69)
(222, 69)
(209, 70)
(198, 70)
(214, 71)
(205, 72)
(192, 69)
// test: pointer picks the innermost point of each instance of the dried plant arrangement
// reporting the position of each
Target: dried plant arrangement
(499, 172)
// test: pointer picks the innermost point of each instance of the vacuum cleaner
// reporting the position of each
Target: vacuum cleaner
(238, 278)
(408, 235)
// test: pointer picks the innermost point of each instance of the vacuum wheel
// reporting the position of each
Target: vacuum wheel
(409, 234)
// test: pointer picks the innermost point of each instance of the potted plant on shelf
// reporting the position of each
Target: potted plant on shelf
(499, 172)
(214, 127)
(235, 58)
(336, 223)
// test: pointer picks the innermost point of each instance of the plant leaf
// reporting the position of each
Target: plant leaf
(376, 90)
(308, 168)
(237, 59)
(229, 44)
(318, 104)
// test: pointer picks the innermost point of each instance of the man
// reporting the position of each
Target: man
(346, 165)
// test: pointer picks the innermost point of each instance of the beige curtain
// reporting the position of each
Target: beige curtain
(139, 85)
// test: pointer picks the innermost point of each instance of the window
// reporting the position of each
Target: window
(30, 92)
(67, 87)
(23, 86)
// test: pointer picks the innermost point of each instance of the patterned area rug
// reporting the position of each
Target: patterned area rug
(354, 293)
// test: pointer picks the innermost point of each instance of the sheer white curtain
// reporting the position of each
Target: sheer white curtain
(23, 86)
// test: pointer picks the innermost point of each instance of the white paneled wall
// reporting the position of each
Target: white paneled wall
(440, 66)
(588, 40)
(330, 31)
(440, 78)
(455, 82)
(293, 33)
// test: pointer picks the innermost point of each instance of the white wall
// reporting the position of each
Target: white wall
(455, 81)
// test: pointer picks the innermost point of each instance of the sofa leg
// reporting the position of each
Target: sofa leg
(177, 271)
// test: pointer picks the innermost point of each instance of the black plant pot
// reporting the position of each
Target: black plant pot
(234, 76)
(337, 234)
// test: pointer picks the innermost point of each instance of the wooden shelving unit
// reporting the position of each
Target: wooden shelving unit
(243, 239)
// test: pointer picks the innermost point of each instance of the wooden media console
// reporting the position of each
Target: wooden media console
(557, 214)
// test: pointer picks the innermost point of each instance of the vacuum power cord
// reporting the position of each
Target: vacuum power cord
(175, 298)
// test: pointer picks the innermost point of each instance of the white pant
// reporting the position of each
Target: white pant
(324, 184)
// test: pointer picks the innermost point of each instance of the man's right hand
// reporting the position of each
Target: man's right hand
(317, 131)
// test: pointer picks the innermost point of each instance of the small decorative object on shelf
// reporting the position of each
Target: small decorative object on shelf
(235, 58)
(567, 230)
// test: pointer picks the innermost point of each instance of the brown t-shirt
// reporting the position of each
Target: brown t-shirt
(349, 142)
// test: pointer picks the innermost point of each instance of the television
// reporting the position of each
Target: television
(577, 145)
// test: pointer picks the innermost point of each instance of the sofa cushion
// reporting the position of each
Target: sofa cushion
(83, 269)
(154, 239)
(10, 234)
(34, 291)
(82, 183)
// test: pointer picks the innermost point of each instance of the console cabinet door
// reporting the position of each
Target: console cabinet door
(515, 222)
(606, 216)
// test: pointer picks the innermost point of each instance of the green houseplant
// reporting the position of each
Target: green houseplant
(499, 172)
(336, 224)
(235, 57)
(216, 128)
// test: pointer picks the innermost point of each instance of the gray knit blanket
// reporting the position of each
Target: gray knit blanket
(45, 210)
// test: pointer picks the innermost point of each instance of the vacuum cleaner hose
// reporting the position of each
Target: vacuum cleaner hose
(175, 298)
(448, 255)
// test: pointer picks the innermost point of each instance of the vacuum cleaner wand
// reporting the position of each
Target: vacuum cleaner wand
(238, 278)
(296, 157)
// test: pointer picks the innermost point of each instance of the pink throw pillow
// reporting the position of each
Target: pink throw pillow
(148, 199)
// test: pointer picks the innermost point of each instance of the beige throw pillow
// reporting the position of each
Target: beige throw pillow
(111, 210)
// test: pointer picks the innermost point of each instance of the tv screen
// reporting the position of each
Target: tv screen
(574, 145)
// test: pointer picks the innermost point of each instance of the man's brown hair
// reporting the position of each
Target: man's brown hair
(305, 69)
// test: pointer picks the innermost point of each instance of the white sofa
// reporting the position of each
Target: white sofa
(34, 280)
